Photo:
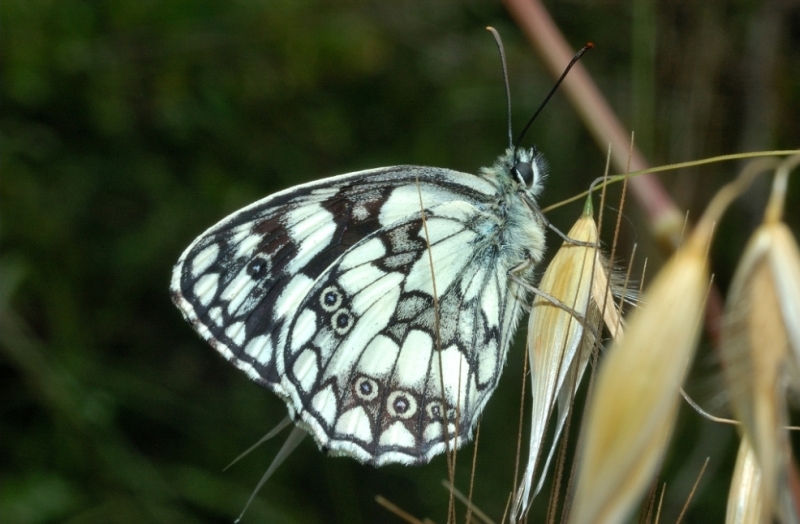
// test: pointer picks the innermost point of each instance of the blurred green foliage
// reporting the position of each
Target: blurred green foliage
(128, 127)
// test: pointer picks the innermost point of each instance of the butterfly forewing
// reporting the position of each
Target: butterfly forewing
(324, 293)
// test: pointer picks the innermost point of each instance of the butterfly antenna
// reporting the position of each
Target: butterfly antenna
(572, 62)
(499, 43)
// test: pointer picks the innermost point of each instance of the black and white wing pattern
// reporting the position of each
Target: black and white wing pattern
(324, 294)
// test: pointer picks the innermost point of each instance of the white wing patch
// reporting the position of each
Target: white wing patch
(206, 288)
(407, 197)
(382, 293)
(247, 245)
(260, 349)
(490, 303)
(449, 261)
(304, 329)
(363, 254)
(215, 314)
(306, 369)
(236, 332)
(397, 435)
(367, 328)
(204, 260)
(292, 295)
(379, 357)
(324, 403)
(488, 360)
(355, 422)
(357, 279)
(237, 291)
(313, 232)
(411, 368)
(456, 373)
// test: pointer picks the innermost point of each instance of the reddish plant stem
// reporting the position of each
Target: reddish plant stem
(665, 219)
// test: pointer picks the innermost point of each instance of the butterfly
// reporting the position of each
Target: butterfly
(378, 305)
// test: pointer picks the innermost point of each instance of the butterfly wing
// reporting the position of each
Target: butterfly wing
(379, 370)
(247, 286)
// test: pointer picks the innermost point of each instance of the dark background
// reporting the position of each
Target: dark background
(128, 127)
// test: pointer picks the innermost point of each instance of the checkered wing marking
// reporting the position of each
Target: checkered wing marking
(362, 361)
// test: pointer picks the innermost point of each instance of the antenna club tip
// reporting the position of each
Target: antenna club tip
(589, 45)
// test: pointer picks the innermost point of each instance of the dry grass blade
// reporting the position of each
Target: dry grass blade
(271, 434)
(692, 493)
(480, 515)
(744, 499)
(635, 401)
(407, 517)
(292, 441)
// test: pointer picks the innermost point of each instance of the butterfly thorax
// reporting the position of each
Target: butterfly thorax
(519, 234)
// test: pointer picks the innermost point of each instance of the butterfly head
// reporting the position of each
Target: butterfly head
(527, 168)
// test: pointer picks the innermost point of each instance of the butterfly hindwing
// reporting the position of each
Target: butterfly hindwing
(369, 350)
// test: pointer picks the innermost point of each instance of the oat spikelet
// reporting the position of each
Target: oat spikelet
(744, 498)
(760, 340)
(784, 259)
(557, 348)
(635, 402)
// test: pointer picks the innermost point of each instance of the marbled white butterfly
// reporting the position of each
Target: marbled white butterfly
(324, 293)
(379, 305)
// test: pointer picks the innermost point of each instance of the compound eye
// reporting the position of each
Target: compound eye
(524, 173)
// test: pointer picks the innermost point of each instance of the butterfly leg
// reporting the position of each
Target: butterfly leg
(568, 239)
(543, 219)
(514, 276)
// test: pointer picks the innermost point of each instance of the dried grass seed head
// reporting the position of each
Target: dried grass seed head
(634, 405)
(759, 340)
